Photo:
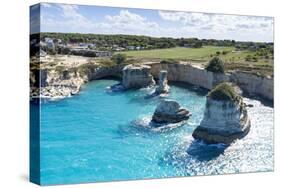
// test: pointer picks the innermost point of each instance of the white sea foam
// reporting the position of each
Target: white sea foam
(250, 154)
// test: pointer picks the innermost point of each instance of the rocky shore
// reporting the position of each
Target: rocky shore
(251, 84)
(66, 82)
(54, 84)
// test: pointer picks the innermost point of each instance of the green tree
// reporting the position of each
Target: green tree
(215, 65)
(119, 58)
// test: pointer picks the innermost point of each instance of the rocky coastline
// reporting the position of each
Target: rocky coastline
(251, 84)
(54, 83)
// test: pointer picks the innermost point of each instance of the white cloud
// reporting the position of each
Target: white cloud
(46, 5)
(218, 21)
(126, 20)
(69, 18)
(205, 25)
(125, 17)
(70, 11)
(70, 14)
(185, 18)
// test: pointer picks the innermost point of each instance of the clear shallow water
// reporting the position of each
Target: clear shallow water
(93, 137)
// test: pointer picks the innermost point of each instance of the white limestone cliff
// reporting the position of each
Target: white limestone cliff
(137, 76)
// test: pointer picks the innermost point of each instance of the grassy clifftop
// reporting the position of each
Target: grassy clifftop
(260, 64)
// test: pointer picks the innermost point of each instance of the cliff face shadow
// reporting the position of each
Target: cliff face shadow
(193, 88)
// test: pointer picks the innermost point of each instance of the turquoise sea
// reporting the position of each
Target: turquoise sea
(99, 135)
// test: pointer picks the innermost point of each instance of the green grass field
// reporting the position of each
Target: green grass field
(193, 54)
(196, 54)
(234, 59)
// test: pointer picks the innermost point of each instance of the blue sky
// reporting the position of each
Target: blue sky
(108, 20)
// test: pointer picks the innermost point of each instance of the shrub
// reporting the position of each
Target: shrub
(248, 58)
(218, 53)
(64, 50)
(215, 65)
(119, 58)
(255, 59)
(87, 68)
(60, 68)
(198, 44)
(168, 61)
(106, 62)
(224, 52)
(222, 92)
(251, 58)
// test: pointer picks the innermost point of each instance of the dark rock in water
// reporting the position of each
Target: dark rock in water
(169, 111)
(163, 83)
(117, 88)
(225, 118)
(250, 105)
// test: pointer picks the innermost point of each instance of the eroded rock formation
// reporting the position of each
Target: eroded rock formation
(65, 81)
(163, 83)
(169, 111)
(137, 76)
(56, 84)
(225, 117)
(184, 72)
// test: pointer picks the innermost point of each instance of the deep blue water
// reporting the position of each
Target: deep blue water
(94, 137)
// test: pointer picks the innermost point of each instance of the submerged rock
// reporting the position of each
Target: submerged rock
(163, 83)
(225, 117)
(137, 76)
(169, 111)
(116, 88)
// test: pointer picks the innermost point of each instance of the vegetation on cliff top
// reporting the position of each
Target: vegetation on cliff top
(215, 65)
(119, 58)
(223, 92)
(168, 61)
(251, 61)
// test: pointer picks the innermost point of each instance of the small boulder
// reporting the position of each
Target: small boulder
(169, 111)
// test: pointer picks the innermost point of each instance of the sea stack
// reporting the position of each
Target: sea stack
(225, 117)
(137, 76)
(162, 87)
(169, 111)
